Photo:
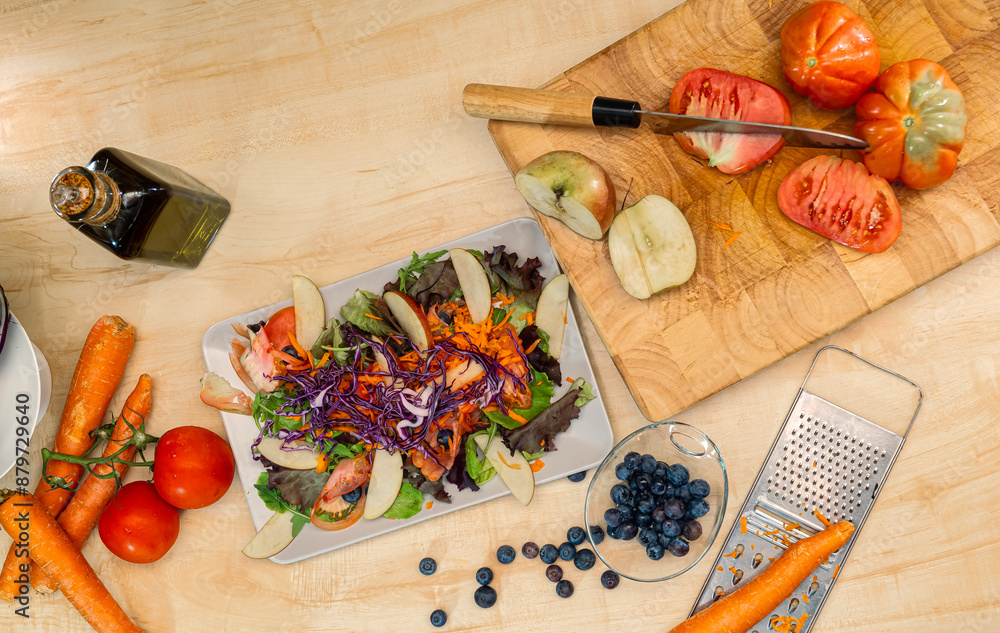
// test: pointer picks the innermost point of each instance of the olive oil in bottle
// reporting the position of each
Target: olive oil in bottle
(140, 209)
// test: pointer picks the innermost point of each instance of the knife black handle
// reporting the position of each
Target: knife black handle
(507, 103)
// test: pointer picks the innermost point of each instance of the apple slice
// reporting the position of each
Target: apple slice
(474, 283)
(514, 470)
(302, 459)
(572, 188)
(411, 318)
(274, 536)
(310, 311)
(550, 315)
(383, 488)
(651, 247)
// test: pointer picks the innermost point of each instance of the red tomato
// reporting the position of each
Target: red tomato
(722, 95)
(840, 200)
(279, 326)
(193, 467)
(914, 123)
(139, 526)
(829, 55)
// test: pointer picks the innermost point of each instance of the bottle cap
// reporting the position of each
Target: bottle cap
(79, 195)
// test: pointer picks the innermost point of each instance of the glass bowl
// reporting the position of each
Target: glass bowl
(672, 443)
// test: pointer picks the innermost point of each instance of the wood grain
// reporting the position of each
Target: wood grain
(795, 286)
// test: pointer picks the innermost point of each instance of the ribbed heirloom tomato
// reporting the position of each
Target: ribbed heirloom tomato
(914, 123)
(193, 467)
(829, 55)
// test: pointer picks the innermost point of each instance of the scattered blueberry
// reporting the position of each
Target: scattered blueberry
(610, 579)
(438, 617)
(612, 517)
(576, 477)
(692, 530)
(698, 507)
(564, 589)
(620, 493)
(628, 530)
(428, 566)
(554, 573)
(529, 550)
(576, 535)
(584, 559)
(567, 551)
(486, 596)
(677, 474)
(699, 488)
(548, 553)
(505, 554)
(632, 459)
(596, 534)
(671, 528)
(484, 576)
(353, 496)
(654, 551)
(623, 472)
(647, 464)
(678, 547)
(674, 509)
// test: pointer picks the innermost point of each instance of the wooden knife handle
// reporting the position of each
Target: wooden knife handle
(530, 106)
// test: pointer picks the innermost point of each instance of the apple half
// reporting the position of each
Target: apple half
(571, 188)
(410, 317)
(474, 283)
(651, 247)
(274, 536)
(310, 311)
(386, 478)
(514, 470)
(550, 315)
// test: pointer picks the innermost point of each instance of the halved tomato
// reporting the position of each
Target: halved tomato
(278, 327)
(840, 200)
(723, 95)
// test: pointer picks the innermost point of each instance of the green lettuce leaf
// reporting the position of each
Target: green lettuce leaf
(357, 309)
(481, 470)
(586, 393)
(407, 503)
(265, 407)
(332, 340)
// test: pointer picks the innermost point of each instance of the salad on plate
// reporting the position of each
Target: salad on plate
(448, 375)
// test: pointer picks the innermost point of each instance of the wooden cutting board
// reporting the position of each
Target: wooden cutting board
(777, 287)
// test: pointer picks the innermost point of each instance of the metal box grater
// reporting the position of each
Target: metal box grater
(825, 460)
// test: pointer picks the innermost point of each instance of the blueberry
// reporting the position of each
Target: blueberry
(567, 551)
(671, 528)
(691, 530)
(486, 596)
(698, 507)
(506, 554)
(658, 515)
(647, 464)
(642, 481)
(428, 566)
(647, 536)
(584, 559)
(529, 550)
(576, 535)
(631, 483)
(626, 511)
(548, 553)
(620, 493)
(632, 459)
(677, 474)
(352, 496)
(577, 477)
(684, 493)
(438, 617)
(670, 493)
(645, 506)
(674, 508)
(564, 589)
(658, 487)
(623, 472)
(613, 532)
(643, 520)
(553, 573)
(610, 579)
(654, 551)
(628, 530)
(596, 534)
(699, 488)
(678, 547)
(612, 517)
(484, 576)
(664, 540)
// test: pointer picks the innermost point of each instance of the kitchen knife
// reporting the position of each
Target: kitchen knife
(553, 107)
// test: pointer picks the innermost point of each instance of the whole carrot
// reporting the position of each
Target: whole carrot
(745, 607)
(84, 509)
(26, 520)
(95, 380)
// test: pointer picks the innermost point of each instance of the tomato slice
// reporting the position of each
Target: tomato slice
(722, 95)
(829, 55)
(331, 511)
(840, 200)
(279, 326)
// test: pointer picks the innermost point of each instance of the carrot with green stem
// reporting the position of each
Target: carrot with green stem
(33, 529)
(80, 517)
(95, 380)
(741, 610)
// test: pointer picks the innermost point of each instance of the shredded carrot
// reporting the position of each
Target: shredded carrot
(298, 348)
(372, 316)
(508, 464)
(719, 568)
(789, 624)
(791, 526)
(570, 379)
(322, 463)
(769, 533)
(531, 318)
(532, 347)
(836, 570)
(734, 554)
(537, 465)
(514, 415)
(721, 225)
(805, 598)
(733, 569)
(429, 505)
(732, 238)
(822, 519)
(743, 525)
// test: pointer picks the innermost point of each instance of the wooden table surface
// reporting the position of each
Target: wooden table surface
(335, 130)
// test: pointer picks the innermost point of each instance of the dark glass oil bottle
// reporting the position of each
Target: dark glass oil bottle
(140, 209)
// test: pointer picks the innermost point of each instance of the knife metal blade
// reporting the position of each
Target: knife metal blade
(554, 107)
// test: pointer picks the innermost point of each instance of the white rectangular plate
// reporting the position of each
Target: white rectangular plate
(581, 447)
